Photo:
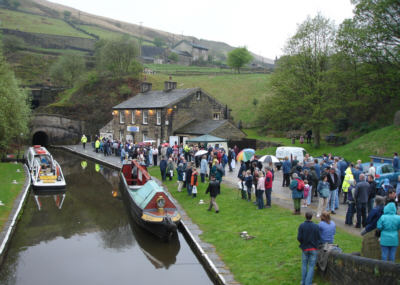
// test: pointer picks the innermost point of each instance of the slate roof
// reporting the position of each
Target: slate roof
(151, 51)
(192, 44)
(155, 99)
(200, 127)
(182, 53)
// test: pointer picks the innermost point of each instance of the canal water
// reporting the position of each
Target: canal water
(85, 236)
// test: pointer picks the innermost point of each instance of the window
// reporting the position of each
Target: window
(158, 117)
(133, 116)
(198, 95)
(145, 117)
(121, 117)
(216, 116)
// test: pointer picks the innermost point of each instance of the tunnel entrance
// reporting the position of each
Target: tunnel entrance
(40, 138)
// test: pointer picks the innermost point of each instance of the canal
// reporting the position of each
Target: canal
(86, 236)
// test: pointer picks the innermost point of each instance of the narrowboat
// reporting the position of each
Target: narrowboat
(45, 172)
(150, 206)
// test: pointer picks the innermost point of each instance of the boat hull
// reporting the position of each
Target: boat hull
(164, 229)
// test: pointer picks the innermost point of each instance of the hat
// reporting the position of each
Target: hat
(295, 175)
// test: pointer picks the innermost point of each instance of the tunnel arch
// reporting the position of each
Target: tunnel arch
(40, 138)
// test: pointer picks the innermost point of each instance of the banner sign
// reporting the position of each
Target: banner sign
(132, 129)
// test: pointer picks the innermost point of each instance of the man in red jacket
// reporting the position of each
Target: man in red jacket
(268, 186)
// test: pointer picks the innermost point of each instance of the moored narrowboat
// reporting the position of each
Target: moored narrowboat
(149, 204)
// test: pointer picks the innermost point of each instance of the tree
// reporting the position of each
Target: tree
(237, 58)
(14, 107)
(173, 57)
(158, 42)
(67, 69)
(302, 89)
(67, 15)
(118, 57)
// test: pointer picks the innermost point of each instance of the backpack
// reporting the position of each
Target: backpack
(300, 184)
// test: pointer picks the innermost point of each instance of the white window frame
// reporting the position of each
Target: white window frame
(145, 117)
(216, 116)
(122, 117)
(133, 116)
(158, 115)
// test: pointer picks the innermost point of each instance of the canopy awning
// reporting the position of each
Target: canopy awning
(206, 139)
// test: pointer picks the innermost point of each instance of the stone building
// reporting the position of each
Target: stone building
(172, 115)
(196, 51)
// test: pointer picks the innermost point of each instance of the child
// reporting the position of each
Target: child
(305, 193)
(194, 182)
(249, 184)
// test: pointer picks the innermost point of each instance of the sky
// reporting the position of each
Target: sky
(263, 26)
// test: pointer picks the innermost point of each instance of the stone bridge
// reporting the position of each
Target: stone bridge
(52, 129)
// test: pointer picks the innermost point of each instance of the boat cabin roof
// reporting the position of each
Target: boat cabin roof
(143, 195)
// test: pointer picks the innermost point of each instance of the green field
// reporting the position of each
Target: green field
(9, 191)
(37, 24)
(237, 90)
(273, 256)
(381, 142)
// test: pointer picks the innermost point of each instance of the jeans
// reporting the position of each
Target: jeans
(203, 177)
(260, 199)
(337, 200)
(331, 202)
(361, 214)
(286, 180)
(163, 175)
(309, 196)
(268, 196)
(308, 260)
(388, 252)
(350, 213)
(189, 189)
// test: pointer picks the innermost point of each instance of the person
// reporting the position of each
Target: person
(180, 171)
(297, 187)
(194, 182)
(163, 168)
(305, 193)
(170, 169)
(260, 190)
(97, 145)
(327, 228)
(372, 193)
(214, 189)
(361, 194)
(391, 197)
(323, 193)
(351, 208)
(286, 167)
(248, 180)
(242, 187)
(155, 155)
(356, 173)
(308, 136)
(188, 176)
(84, 141)
(374, 215)
(396, 162)
(371, 170)
(203, 168)
(333, 180)
(309, 237)
(230, 159)
(398, 189)
(346, 182)
(389, 225)
(269, 178)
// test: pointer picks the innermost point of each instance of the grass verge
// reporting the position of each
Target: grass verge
(9, 191)
(273, 257)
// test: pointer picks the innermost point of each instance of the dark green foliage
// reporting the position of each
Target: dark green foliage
(238, 58)
(67, 69)
(67, 14)
(173, 57)
(158, 42)
(12, 43)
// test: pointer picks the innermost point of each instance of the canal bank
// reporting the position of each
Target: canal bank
(10, 224)
(204, 251)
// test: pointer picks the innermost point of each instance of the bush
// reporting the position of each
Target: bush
(124, 90)
(12, 43)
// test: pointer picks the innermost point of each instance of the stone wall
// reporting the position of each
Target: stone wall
(352, 269)
(228, 131)
(53, 41)
(59, 129)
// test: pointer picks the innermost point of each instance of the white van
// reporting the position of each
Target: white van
(290, 152)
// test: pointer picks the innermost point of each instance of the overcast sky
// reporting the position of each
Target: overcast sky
(261, 25)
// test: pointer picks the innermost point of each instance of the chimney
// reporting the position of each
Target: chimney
(145, 87)
(169, 85)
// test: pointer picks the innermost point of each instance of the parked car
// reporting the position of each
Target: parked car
(383, 171)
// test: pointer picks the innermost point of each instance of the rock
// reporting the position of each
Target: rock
(396, 120)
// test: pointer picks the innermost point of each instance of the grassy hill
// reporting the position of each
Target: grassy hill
(381, 142)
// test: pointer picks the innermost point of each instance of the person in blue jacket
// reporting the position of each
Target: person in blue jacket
(389, 226)
(286, 167)
(163, 168)
(297, 194)
(396, 162)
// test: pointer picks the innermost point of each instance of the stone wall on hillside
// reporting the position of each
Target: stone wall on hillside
(53, 41)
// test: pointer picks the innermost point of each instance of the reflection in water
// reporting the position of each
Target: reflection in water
(87, 237)
(45, 196)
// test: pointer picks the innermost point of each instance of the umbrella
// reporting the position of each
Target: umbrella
(268, 158)
(201, 152)
(245, 154)
(165, 144)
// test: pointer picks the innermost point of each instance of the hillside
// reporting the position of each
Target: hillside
(103, 26)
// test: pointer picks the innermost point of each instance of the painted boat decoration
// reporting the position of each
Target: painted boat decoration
(45, 172)
(150, 206)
